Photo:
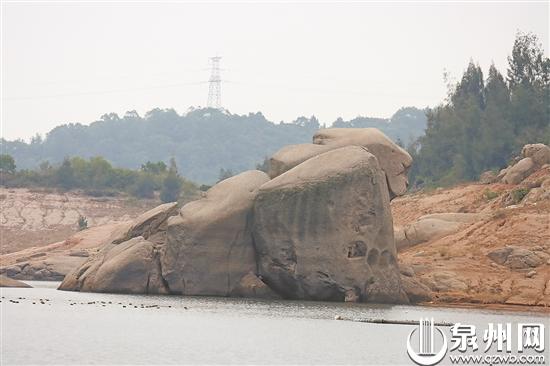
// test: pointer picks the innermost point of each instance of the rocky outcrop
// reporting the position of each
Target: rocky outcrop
(323, 230)
(290, 156)
(149, 223)
(538, 153)
(320, 230)
(209, 244)
(9, 282)
(393, 160)
(533, 157)
(128, 267)
(127, 262)
(515, 258)
(518, 172)
(431, 227)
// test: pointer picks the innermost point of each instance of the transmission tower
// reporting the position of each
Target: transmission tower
(214, 85)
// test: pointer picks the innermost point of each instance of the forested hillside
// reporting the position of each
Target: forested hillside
(203, 141)
(485, 121)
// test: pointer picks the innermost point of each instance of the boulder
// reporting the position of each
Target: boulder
(538, 194)
(209, 245)
(515, 257)
(129, 267)
(8, 282)
(538, 153)
(424, 229)
(488, 177)
(290, 156)
(445, 281)
(251, 285)
(149, 223)
(323, 230)
(518, 172)
(415, 290)
(393, 160)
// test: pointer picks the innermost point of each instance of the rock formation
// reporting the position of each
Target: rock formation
(209, 245)
(8, 282)
(393, 160)
(321, 229)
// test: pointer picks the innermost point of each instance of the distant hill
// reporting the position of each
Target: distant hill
(203, 141)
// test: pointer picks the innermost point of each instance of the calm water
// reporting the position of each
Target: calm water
(198, 330)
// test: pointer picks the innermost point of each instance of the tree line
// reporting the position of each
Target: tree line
(97, 177)
(203, 141)
(485, 121)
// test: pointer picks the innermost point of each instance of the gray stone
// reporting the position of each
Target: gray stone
(324, 228)
(518, 172)
(393, 160)
(209, 244)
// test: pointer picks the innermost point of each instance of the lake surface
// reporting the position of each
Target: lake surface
(77, 328)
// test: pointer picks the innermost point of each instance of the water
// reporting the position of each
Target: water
(209, 331)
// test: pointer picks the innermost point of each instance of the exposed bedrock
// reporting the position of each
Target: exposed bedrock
(323, 230)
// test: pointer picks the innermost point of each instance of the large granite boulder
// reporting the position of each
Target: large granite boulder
(209, 245)
(519, 171)
(432, 227)
(538, 153)
(128, 267)
(393, 160)
(323, 230)
(149, 223)
(129, 258)
(290, 156)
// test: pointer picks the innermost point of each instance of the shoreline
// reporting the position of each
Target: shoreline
(514, 308)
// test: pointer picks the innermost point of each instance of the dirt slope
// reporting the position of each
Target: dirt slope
(502, 258)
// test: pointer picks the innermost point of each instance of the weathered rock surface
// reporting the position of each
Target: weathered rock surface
(515, 258)
(149, 223)
(488, 177)
(415, 290)
(209, 245)
(9, 282)
(323, 230)
(393, 160)
(126, 262)
(290, 156)
(128, 267)
(518, 172)
(538, 153)
(251, 285)
(431, 227)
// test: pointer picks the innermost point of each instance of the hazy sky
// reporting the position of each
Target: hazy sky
(65, 62)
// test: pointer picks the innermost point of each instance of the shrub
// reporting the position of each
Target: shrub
(490, 195)
(519, 194)
(82, 223)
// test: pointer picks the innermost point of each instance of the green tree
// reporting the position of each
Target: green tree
(144, 186)
(154, 168)
(65, 175)
(171, 185)
(224, 174)
(7, 164)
